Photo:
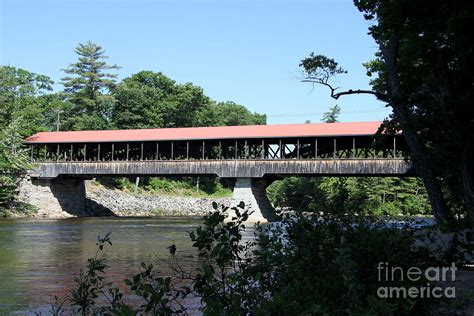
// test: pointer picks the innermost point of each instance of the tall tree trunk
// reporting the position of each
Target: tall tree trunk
(467, 175)
(422, 166)
(419, 155)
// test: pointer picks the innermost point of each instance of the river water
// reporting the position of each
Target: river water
(38, 258)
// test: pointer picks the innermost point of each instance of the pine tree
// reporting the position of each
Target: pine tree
(88, 88)
(332, 115)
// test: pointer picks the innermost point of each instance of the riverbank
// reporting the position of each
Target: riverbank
(108, 201)
(120, 203)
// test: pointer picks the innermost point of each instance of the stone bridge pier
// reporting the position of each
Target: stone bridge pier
(252, 191)
(56, 197)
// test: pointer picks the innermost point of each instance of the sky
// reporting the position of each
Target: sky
(243, 51)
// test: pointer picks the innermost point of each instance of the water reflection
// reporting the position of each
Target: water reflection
(38, 258)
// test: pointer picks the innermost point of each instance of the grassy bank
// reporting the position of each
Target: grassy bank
(202, 187)
(18, 209)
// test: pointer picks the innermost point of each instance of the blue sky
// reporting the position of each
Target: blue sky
(244, 51)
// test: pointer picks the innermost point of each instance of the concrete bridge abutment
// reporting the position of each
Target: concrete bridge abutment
(252, 191)
(57, 197)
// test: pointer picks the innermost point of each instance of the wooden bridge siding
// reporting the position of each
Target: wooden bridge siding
(229, 168)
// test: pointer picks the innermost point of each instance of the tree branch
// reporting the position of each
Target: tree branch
(381, 96)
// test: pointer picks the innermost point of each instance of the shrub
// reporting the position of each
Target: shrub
(305, 265)
(124, 184)
(160, 184)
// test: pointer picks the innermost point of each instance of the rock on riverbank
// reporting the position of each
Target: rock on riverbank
(101, 199)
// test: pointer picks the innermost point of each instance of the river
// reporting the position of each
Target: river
(38, 257)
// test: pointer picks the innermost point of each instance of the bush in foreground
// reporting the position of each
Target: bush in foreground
(304, 265)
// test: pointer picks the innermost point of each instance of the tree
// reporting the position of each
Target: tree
(230, 114)
(21, 114)
(152, 100)
(19, 92)
(88, 87)
(13, 160)
(332, 115)
(423, 71)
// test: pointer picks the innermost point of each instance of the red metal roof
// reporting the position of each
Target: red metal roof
(202, 133)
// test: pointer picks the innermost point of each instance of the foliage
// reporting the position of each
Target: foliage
(20, 116)
(150, 100)
(89, 283)
(305, 265)
(87, 87)
(332, 115)
(123, 184)
(7, 190)
(158, 293)
(182, 186)
(226, 281)
(230, 114)
(320, 68)
(373, 196)
(19, 94)
(13, 161)
(329, 266)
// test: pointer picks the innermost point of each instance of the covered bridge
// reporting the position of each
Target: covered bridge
(252, 155)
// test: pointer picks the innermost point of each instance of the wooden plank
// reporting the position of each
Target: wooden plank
(298, 148)
(394, 147)
(281, 150)
(203, 150)
(245, 150)
(354, 146)
(316, 148)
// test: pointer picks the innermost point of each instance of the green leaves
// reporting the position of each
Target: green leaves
(150, 100)
(320, 68)
(13, 161)
(89, 71)
(332, 115)
(87, 89)
(373, 196)
(225, 280)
